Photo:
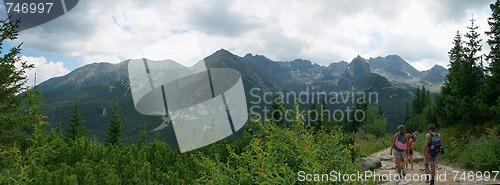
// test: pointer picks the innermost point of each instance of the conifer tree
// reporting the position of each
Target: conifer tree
(12, 82)
(142, 132)
(450, 102)
(115, 127)
(277, 113)
(492, 82)
(77, 128)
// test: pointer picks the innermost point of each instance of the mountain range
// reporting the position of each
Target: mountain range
(98, 86)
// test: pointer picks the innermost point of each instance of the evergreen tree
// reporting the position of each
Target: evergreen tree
(115, 127)
(426, 98)
(452, 100)
(12, 82)
(416, 105)
(421, 100)
(142, 132)
(475, 76)
(313, 116)
(277, 113)
(322, 110)
(460, 102)
(376, 123)
(473, 61)
(407, 114)
(491, 91)
(77, 128)
(355, 117)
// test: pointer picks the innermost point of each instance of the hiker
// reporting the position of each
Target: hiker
(399, 146)
(409, 152)
(432, 148)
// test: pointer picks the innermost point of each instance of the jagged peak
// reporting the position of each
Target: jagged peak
(359, 57)
(257, 56)
(439, 67)
(337, 63)
(394, 56)
(359, 65)
(222, 50)
(301, 61)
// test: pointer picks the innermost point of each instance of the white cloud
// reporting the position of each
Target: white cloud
(321, 31)
(44, 69)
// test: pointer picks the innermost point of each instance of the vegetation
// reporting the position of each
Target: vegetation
(13, 111)
(116, 128)
(77, 127)
(265, 153)
(466, 112)
(270, 151)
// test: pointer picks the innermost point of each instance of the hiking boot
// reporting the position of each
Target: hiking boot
(427, 180)
(432, 182)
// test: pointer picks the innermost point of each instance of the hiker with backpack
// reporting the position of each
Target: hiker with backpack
(432, 148)
(399, 146)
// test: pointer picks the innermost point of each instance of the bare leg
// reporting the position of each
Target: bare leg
(426, 167)
(406, 161)
(411, 161)
(398, 165)
(433, 170)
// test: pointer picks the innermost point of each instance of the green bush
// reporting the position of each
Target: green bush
(370, 144)
(265, 153)
(482, 154)
(277, 155)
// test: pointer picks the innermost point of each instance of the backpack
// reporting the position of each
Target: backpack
(400, 142)
(435, 146)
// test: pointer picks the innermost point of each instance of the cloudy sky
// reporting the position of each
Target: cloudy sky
(420, 31)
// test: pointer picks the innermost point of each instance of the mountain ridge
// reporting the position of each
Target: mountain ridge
(100, 85)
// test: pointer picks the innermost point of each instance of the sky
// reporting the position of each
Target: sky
(323, 31)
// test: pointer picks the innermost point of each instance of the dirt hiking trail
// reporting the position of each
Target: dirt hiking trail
(446, 173)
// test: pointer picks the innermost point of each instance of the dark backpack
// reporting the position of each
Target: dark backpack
(435, 146)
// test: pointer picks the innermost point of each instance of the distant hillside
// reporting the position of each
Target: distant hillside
(401, 73)
(98, 86)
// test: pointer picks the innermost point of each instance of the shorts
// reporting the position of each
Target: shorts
(428, 159)
(409, 151)
(399, 154)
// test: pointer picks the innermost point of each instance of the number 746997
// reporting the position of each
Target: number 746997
(471, 176)
(30, 8)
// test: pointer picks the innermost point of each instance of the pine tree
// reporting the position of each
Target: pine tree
(473, 59)
(355, 122)
(277, 113)
(416, 105)
(460, 101)
(142, 132)
(313, 116)
(426, 98)
(77, 128)
(492, 82)
(12, 82)
(421, 100)
(452, 91)
(323, 110)
(115, 127)
(407, 114)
